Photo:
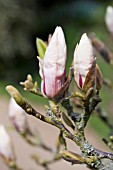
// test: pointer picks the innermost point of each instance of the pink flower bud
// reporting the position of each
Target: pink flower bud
(6, 150)
(109, 18)
(52, 68)
(17, 116)
(84, 64)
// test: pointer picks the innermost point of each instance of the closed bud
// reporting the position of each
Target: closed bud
(99, 80)
(29, 78)
(15, 94)
(6, 149)
(52, 67)
(74, 158)
(18, 116)
(84, 64)
(109, 18)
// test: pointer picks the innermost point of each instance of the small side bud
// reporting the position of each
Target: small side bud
(29, 77)
(27, 85)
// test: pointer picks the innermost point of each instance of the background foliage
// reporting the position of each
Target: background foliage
(22, 21)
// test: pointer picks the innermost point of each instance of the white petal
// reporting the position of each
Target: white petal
(5, 144)
(109, 18)
(41, 61)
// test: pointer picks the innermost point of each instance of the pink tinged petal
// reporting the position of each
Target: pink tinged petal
(109, 18)
(54, 63)
(80, 80)
(17, 116)
(83, 59)
(13, 119)
(43, 89)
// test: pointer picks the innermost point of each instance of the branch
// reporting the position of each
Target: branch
(29, 110)
(79, 138)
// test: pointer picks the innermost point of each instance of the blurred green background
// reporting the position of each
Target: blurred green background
(22, 21)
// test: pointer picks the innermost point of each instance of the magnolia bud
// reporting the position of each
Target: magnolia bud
(99, 80)
(6, 150)
(109, 18)
(52, 67)
(84, 64)
(17, 116)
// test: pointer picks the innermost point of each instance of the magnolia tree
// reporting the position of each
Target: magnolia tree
(55, 88)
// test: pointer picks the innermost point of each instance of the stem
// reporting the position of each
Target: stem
(74, 116)
(88, 107)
